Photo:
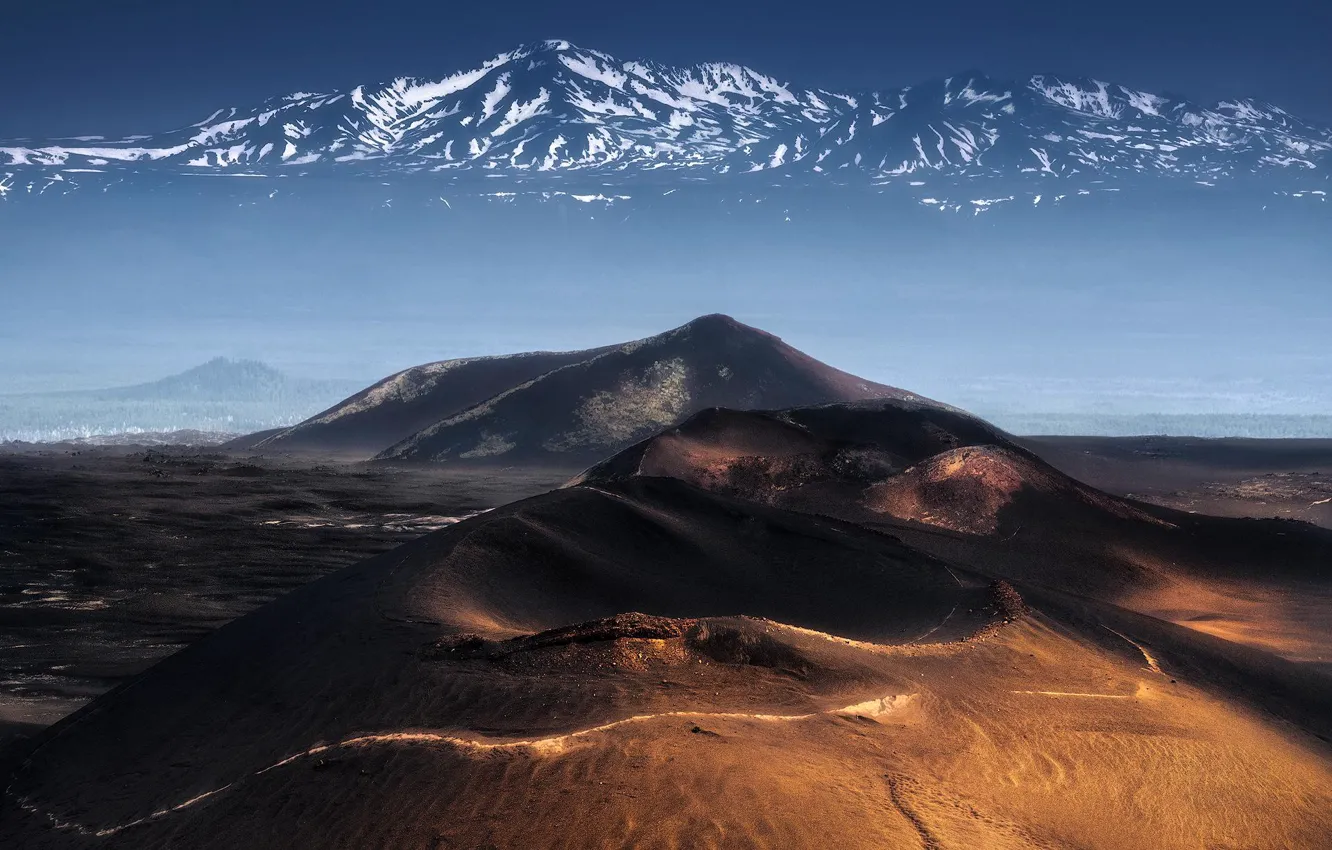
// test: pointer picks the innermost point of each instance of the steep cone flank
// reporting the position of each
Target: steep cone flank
(600, 405)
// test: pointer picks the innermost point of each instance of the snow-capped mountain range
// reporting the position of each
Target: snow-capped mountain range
(554, 112)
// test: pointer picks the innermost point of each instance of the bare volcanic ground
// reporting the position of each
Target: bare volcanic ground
(111, 558)
(646, 663)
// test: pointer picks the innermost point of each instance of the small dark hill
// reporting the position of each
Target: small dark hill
(590, 409)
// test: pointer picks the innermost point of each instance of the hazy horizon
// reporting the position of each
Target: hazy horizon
(1131, 321)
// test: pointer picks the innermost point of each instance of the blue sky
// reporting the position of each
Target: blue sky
(1125, 313)
(132, 66)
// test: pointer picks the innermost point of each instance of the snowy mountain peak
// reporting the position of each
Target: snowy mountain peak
(553, 111)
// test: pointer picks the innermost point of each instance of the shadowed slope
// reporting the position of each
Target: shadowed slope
(402, 404)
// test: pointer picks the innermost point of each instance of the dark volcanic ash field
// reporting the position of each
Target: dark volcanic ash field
(112, 558)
